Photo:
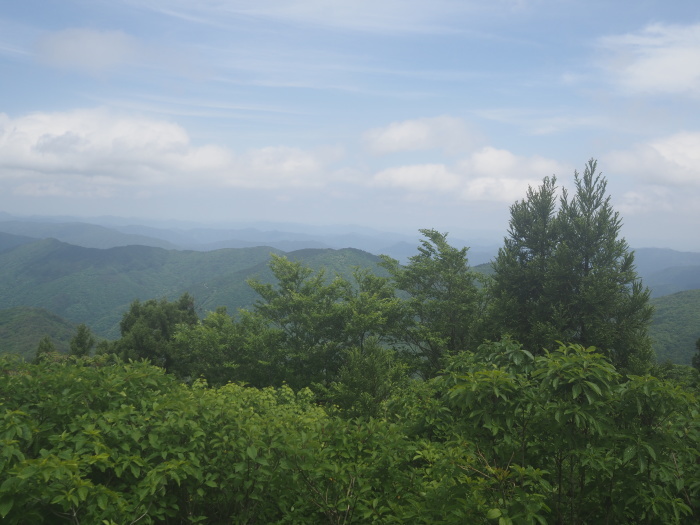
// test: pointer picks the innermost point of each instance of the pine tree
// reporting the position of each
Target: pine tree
(82, 342)
(45, 347)
(568, 276)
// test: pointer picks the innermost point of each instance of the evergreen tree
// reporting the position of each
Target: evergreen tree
(521, 287)
(566, 275)
(82, 342)
(46, 346)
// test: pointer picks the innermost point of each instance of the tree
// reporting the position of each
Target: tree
(367, 379)
(82, 342)
(696, 357)
(304, 321)
(46, 346)
(566, 275)
(521, 304)
(148, 328)
(444, 301)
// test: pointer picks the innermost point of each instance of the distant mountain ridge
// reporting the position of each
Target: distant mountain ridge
(88, 235)
(80, 234)
(95, 286)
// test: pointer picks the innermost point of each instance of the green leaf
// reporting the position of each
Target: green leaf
(252, 452)
(6, 506)
(576, 391)
(493, 514)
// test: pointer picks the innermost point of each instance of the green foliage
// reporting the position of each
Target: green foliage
(501, 436)
(567, 276)
(148, 329)
(303, 323)
(444, 300)
(83, 341)
(370, 376)
(303, 312)
(563, 438)
(46, 347)
(675, 326)
(22, 328)
(100, 443)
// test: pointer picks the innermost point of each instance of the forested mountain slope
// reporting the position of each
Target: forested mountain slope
(675, 326)
(93, 286)
(22, 327)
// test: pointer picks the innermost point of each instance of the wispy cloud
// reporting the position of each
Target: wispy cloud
(369, 16)
(88, 50)
(544, 121)
(443, 133)
(659, 59)
(488, 174)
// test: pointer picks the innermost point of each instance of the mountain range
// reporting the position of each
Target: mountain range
(90, 273)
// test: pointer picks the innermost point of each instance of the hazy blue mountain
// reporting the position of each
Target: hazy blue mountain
(9, 241)
(674, 279)
(79, 234)
(107, 232)
(652, 260)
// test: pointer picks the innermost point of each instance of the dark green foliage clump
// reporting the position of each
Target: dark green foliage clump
(565, 274)
(500, 436)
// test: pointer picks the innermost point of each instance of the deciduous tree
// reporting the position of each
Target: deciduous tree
(444, 301)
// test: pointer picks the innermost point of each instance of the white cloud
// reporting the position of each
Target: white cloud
(668, 161)
(660, 58)
(88, 50)
(447, 133)
(96, 151)
(422, 177)
(645, 199)
(272, 167)
(488, 174)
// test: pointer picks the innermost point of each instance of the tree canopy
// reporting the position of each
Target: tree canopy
(566, 274)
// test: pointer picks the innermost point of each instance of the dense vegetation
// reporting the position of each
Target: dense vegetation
(429, 393)
(676, 326)
(499, 437)
(22, 327)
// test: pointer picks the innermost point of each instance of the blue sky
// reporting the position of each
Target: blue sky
(393, 114)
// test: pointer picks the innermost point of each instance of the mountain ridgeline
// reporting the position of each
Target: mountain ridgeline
(95, 286)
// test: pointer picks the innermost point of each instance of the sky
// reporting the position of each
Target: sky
(392, 114)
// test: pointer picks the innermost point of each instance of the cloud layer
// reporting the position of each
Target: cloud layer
(659, 59)
(71, 151)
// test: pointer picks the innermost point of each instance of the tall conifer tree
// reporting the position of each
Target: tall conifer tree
(567, 275)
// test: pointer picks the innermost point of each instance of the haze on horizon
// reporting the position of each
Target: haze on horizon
(386, 114)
